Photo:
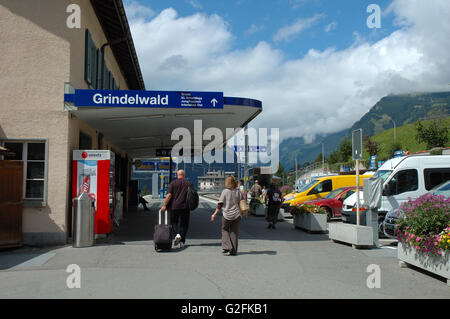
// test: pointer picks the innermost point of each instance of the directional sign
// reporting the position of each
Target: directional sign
(159, 99)
(252, 149)
(398, 154)
(145, 165)
(163, 152)
(373, 159)
(357, 144)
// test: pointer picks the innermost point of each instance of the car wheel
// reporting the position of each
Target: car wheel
(329, 213)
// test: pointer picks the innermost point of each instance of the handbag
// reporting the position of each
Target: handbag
(243, 207)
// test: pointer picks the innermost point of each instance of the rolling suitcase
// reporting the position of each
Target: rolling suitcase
(162, 237)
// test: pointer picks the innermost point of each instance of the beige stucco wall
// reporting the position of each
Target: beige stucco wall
(34, 64)
(39, 53)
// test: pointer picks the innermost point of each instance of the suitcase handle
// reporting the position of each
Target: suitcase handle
(160, 217)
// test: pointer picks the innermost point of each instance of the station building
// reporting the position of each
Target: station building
(41, 59)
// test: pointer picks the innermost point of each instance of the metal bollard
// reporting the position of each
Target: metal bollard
(83, 229)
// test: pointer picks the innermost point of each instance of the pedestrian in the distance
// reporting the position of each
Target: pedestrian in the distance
(142, 200)
(180, 213)
(263, 192)
(231, 216)
(274, 198)
(241, 188)
(256, 190)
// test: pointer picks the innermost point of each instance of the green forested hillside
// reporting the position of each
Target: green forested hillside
(406, 136)
(401, 109)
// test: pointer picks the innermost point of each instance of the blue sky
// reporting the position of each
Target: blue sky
(252, 21)
(314, 64)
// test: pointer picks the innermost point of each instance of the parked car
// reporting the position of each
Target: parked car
(403, 178)
(390, 221)
(332, 203)
(349, 209)
(320, 187)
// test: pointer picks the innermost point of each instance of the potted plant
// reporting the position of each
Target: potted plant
(257, 207)
(423, 234)
(309, 217)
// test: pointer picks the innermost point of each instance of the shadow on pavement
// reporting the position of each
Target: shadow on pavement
(138, 226)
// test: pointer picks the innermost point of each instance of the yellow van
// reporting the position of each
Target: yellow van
(320, 187)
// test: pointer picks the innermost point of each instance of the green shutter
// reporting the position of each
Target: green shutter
(88, 57)
(94, 65)
(111, 81)
(99, 69)
(105, 77)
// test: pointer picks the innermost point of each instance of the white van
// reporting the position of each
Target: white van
(406, 177)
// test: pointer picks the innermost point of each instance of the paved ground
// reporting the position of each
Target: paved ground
(282, 263)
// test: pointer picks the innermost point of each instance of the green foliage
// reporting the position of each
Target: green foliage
(434, 135)
(393, 147)
(302, 208)
(145, 191)
(345, 149)
(318, 158)
(424, 224)
(372, 146)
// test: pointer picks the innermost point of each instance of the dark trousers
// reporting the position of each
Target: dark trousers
(272, 213)
(143, 202)
(180, 222)
(230, 232)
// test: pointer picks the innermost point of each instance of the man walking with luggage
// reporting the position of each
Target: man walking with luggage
(176, 201)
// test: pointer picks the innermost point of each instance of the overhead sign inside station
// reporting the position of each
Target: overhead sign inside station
(157, 99)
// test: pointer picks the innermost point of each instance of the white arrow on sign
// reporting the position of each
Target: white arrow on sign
(214, 102)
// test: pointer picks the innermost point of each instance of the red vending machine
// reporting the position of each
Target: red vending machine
(93, 173)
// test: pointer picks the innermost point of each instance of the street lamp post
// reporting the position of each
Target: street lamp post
(323, 160)
(395, 130)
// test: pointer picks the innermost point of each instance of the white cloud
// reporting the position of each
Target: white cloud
(288, 32)
(322, 92)
(195, 4)
(331, 26)
(253, 29)
(138, 11)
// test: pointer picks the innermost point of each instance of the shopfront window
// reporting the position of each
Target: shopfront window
(33, 155)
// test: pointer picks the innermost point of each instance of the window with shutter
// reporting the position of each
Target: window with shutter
(99, 69)
(88, 58)
(105, 76)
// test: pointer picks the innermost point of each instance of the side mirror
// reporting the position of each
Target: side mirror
(313, 192)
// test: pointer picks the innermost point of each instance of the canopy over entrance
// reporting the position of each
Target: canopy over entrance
(140, 131)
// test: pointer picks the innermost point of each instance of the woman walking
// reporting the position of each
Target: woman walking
(231, 216)
(274, 198)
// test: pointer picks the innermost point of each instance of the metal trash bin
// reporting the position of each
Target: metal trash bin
(83, 221)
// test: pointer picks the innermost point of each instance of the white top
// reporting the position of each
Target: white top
(230, 200)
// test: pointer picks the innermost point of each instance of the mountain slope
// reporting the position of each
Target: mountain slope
(401, 109)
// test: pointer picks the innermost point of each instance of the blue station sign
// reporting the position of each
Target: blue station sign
(158, 99)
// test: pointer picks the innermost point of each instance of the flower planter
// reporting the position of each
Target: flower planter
(280, 214)
(259, 211)
(439, 265)
(311, 222)
(356, 235)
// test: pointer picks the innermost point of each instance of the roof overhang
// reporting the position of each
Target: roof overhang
(114, 22)
(141, 131)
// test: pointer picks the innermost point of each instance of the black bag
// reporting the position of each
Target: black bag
(192, 198)
(162, 237)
